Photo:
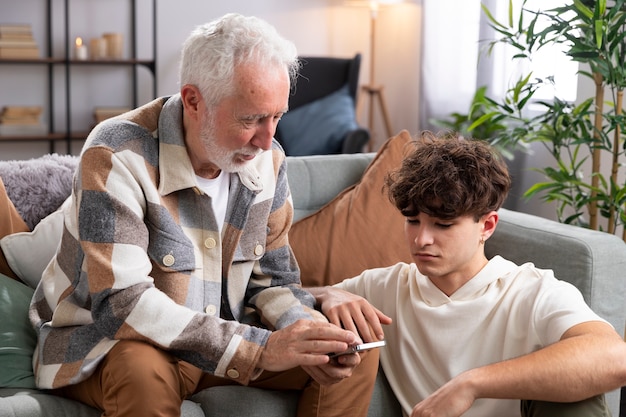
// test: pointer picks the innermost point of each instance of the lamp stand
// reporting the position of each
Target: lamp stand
(375, 92)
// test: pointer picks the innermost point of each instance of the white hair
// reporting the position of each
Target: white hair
(213, 51)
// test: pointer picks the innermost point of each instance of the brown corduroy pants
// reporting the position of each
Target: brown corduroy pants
(137, 379)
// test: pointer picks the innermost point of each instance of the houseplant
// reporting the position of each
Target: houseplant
(579, 136)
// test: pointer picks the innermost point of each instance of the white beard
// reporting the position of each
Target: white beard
(227, 160)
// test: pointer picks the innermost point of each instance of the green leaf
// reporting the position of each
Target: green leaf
(598, 24)
(537, 188)
(482, 120)
(601, 7)
(583, 9)
(492, 19)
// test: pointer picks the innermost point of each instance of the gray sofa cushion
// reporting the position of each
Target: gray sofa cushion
(226, 401)
(16, 402)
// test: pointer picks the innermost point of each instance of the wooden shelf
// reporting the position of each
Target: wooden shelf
(38, 61)
(55, 112)
(48, 137)
(63, 61)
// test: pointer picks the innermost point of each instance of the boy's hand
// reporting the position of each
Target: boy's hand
(351, 312)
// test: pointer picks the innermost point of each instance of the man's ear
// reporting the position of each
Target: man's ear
(191, 98)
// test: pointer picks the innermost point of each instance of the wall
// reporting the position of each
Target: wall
(317, 27)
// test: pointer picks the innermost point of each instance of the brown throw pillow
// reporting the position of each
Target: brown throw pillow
(359, 229)
(10, 222)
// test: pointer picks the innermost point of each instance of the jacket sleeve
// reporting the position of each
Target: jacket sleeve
(275, 290)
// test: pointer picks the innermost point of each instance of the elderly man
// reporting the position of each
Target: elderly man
(174, 273)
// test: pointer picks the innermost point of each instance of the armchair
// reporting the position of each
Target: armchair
(322, 109)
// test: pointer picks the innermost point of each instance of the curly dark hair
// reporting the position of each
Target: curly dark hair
(448, 176)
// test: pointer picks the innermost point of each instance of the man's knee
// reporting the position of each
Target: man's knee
(133, 379)
(141, 366)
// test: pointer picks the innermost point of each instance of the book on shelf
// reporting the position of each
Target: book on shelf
(20, 115)
(19, 111)
(22, 121)
(17, 43)
(17, 36)
(19, 53)
(15, 28)
(103, 113)
(13, 110)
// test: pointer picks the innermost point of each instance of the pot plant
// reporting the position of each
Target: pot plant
(581, 137)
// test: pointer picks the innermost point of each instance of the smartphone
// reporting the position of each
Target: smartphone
(358, 348)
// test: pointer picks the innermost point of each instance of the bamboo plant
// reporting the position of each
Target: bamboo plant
(579, 136)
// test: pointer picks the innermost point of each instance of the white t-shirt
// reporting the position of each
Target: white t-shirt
(217, 188)
(503, 312)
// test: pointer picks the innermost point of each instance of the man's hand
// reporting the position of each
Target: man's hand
(304, 343)
(335, 370)
(351, 312)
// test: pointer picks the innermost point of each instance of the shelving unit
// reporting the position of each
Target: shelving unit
(68, 134)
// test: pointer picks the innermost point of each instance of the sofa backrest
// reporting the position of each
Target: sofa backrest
(315, 180)
(593, 261)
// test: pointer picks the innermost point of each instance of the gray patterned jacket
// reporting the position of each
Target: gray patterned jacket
(141, 257)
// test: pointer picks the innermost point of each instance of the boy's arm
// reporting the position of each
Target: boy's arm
(351, 312)
(590, 359)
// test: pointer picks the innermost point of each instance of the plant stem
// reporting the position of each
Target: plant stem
(615, 163)
(596, 153)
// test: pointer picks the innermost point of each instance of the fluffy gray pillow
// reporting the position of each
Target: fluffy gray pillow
(38, 186)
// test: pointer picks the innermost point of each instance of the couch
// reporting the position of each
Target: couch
(343, 222)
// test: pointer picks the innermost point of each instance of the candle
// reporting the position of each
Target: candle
(80, 50)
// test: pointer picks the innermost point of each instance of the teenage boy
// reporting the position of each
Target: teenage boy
(468, 335)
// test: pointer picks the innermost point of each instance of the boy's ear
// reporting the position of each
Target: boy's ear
(490, 221)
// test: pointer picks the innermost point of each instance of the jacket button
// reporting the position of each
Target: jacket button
(209, 243)
(168, 260)
(258, 250)
(210, 310)
(232, 373)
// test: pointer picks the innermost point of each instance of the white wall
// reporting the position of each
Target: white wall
(318, 27)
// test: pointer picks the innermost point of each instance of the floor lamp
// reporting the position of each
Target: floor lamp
(373, 91)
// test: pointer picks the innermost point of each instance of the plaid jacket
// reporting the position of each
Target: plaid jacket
(141, 257)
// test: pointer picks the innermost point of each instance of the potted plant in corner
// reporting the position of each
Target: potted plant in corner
(581, 137)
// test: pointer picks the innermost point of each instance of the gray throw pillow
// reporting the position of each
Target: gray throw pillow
(318, 128)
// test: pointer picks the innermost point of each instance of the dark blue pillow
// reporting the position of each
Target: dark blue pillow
(318, 128)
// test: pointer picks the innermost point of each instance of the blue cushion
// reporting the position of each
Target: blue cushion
(318, 128)
(17, 336)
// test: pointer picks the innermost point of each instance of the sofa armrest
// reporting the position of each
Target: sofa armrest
(593, 261)
(355, 140)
